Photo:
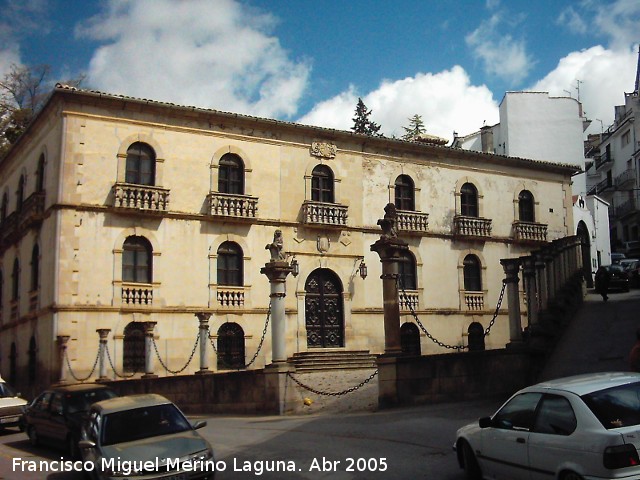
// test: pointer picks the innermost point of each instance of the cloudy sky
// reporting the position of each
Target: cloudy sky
(309, 61)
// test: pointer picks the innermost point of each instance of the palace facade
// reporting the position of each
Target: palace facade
(123, 214)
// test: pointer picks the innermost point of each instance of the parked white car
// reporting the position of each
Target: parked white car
(575, 428)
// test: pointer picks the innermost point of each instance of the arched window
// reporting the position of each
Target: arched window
(322, 184)
(137, 260)
(407, 271)
(40, 175)
(141, 164)
(15, 280)
(35, 268)
(32, 359)
(525, 206)
(405, 193)
(230, 346)
(410, 339)
(472, 274)
(231, 175)
(229, 265)
(3, 208)
(20, 194)
(469, 200)
(133, 348)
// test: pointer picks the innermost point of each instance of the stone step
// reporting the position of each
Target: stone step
(332, 359)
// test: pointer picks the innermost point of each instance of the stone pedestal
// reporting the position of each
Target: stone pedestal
(203, 325)
(103, 333)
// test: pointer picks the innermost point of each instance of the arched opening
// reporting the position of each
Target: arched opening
(230, 346)
(585, 247)
(32, 360)
(133, 348)
(410, 339)
(323, 310)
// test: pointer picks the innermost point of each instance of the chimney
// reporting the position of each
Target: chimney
(486, 137)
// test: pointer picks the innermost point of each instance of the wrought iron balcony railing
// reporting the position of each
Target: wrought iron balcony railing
(625, 178)
(229, 205)
(32, 210)
(135, 294)
(602, 159)
(624, 208)
(325, 214)
(141, 197)
(529, 232)
(471, 226)
(412, 222)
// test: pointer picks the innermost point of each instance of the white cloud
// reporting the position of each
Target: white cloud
(604, 75)
(210, 54)
(502, 55)
(446, 101)
(620, 20)
(573, 20)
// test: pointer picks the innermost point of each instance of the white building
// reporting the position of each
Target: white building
(537, 126)
(614, 173)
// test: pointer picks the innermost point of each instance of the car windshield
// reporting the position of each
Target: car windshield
(6, 391)
(617, 406)
(81, 401)
(138, 423)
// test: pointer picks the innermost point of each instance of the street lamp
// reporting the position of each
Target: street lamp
(295, 267)
(363, 269)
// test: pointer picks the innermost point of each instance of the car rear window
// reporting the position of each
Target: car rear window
(617, 406)
(81, 401)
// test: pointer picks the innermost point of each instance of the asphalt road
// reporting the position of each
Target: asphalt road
(406, 443)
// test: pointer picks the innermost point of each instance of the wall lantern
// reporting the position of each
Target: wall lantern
(295, 268)
(363, 269)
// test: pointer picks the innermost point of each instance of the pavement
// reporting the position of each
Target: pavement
(598, 338)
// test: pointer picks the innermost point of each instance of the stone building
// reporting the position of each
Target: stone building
(123, 214)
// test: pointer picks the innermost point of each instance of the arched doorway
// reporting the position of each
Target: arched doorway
(323, 310)
(133, 348)
(230, 346)
(585, 245)
(410, 339)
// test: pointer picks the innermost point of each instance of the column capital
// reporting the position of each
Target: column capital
(277, 270)
(103, 333)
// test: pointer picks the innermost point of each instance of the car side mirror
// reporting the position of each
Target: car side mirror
(485, 422)
(84, 444)
(199, 424)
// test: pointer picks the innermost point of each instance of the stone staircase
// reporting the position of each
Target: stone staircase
(329, 359)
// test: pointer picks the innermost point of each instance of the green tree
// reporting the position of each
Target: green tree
(415, 129)
(362, 123)
(23, 92)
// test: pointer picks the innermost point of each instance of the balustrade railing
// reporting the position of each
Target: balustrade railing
(409, 300)
(229, 205)
(141, 197)
(137, 294)
(474, 300)
(412, 222)
(530, 232)
(471, 226)
(230, 297)
(320, 213)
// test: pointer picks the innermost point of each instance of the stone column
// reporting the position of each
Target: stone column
(511, 268)
(390, 249)
(277, 271)
(148, 350)
(62, 351)
(203, 319)
(542, 281)
(529, 274)
(103, 333)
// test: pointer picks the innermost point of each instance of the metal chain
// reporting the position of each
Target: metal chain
(422, 327)
(334, 394)
(495, 315)
(77, 379)
(115, 372)
(255, 355)
(193, 351)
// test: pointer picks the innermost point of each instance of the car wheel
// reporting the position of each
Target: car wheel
(33, 436)
(571, 476)
(470, 463)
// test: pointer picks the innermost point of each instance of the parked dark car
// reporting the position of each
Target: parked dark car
(56, 415)
(632, 267)
(618, 277)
